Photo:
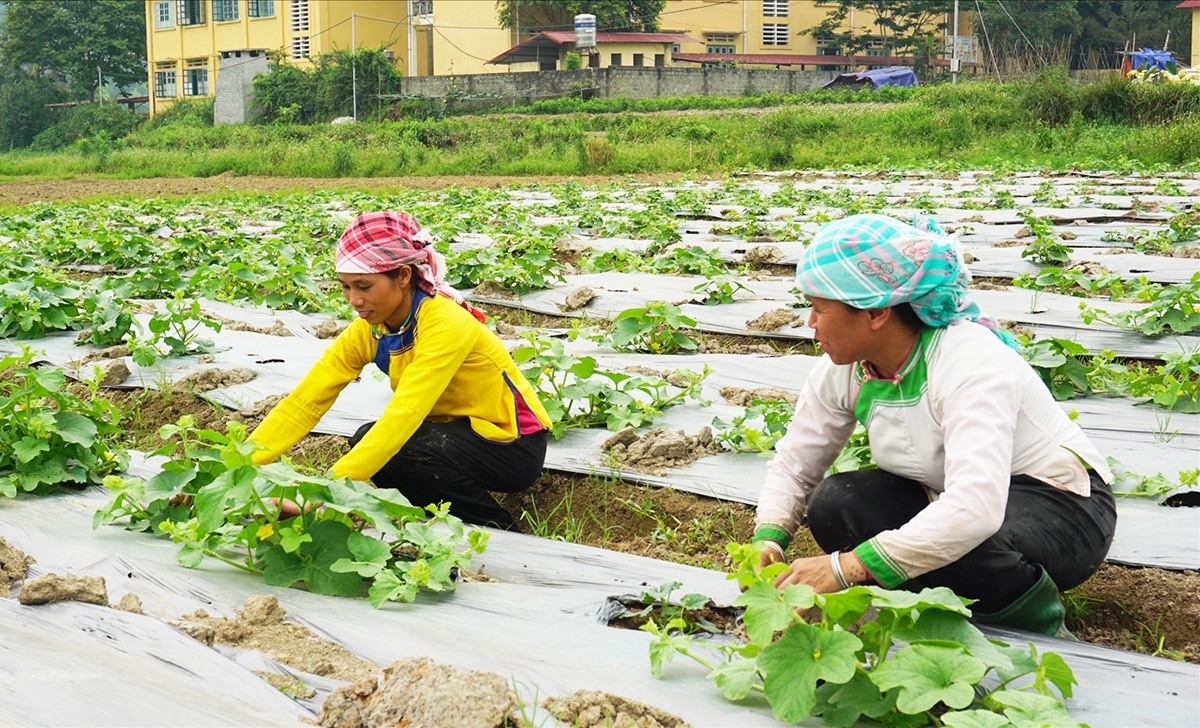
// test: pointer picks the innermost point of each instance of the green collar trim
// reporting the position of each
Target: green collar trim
(905, 390)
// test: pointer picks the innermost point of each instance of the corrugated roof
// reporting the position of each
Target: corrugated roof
(1189, 4)
(546, 44)
(786, 59)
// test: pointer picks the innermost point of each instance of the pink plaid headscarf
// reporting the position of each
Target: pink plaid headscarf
(378, 242)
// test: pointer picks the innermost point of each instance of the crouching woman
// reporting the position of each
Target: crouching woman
(984, 485)
(461, 420)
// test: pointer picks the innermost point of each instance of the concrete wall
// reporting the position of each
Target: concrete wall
(235, 85)
(634, 83)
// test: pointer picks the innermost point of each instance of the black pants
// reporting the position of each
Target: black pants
(448, 462)
(1068, 535)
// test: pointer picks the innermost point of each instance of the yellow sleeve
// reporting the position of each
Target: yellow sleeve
(439, 349)
(296, 414)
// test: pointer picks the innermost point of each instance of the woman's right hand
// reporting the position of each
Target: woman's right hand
(771, 553)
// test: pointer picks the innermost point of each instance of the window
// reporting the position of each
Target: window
(299, 19)
(775, 8)
(660, 60)
(190, 12)
(614, 59)
(723, 43)
(827, 46)
(195, 78)
(722, 49)
(300, 47)
(260, 8)
(775, 34)
(720, 37)
(164, 81)
(422, 7)
(876, 48)
(225, 10)
(163, 18)
(639, 60)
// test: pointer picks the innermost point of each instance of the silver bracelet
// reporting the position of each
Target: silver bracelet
(774, 546)
(837, 570)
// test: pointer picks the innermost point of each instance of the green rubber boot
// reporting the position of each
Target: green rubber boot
(1038, 610)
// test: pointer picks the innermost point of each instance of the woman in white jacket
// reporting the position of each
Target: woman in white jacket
(983, 485)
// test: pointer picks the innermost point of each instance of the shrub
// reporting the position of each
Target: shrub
(185, 112)
(96, 122)
(1050, 96)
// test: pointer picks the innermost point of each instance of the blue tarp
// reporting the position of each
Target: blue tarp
(1151, 59)
(888, 76)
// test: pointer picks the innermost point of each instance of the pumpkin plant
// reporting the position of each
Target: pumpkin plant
(896, 657)
(214, 502)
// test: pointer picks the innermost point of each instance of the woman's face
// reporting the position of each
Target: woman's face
(378, 298)
(843, 332)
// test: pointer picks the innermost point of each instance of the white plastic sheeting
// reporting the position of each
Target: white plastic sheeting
(71, 664)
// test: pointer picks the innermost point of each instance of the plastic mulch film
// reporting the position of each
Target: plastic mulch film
(535, 624)
(1149, 535)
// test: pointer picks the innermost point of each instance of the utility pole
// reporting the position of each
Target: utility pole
(954, 60)
(354, 64)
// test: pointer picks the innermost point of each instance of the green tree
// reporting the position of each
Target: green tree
(620, 16)
(24, 96)
(902, 25)
(1108, 26)
(78, 42)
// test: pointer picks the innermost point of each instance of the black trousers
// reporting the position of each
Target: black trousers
(1043, 526)
(448, 462)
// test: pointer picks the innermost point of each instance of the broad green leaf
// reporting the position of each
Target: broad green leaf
(844, 705)
(313, 561)
(735, 678)
(189, 556)
(292, 536)
(845, 607)
(1058, 673)
(387, 587)
(168, 483)
(929, 674)
(796, 662)
(936, 624)
(75, 428)
(232, 485)
(769, 610)
(28, 448)
(1030, 710)
(974, 719)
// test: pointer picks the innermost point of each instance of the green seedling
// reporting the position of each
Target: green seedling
(651, 329)
(51, 436)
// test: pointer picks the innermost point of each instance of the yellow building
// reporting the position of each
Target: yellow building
(1194, 5)
(190, 43)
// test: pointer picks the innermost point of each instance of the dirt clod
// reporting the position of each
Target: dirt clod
(577, 299)
(419, 693)
(775, 320)
(263, 626)
(740, 397)
(595, 709)
(207, 380)
(13, 564)
(64, 588)
(661, 448)
(130, 603)
(763, 254)
(327, 329)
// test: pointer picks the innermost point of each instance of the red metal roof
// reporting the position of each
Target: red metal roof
(1189, 4)
(546, 44)
(784, 59)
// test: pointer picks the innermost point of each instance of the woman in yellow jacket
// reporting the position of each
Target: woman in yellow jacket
(461, 421)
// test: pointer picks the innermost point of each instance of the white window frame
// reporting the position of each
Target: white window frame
(260, 8)
(164, 15)
(776, 34)
(225, 11)
(195, 78)
(183, 17)
(776, 8)
(723, 49)
(165, 84)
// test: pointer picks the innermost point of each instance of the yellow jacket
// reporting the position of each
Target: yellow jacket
(445, 366)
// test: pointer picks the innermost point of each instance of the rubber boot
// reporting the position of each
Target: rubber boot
(1038, 610)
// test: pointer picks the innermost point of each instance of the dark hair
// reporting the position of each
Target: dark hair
(394, 273)
(908, 317)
